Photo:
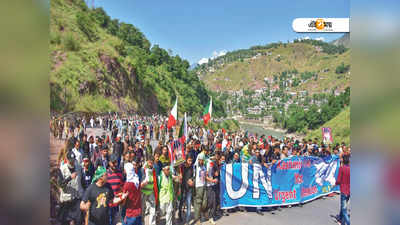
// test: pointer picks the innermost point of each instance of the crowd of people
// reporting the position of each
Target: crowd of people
(139, 167)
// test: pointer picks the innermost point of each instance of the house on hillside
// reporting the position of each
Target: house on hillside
(258, 92)
(254, 110)
(318, 48)
(303, 93)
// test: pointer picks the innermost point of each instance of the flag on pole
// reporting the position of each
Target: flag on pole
(207, 112)
(183, 135)
(173, 116)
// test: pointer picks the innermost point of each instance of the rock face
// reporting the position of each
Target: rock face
(344, 40)
(99, 64)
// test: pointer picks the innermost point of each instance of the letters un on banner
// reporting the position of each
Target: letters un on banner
(289, 181)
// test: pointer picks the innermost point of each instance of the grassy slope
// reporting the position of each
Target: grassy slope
(340, 126)
(300, 56)
(76, 67)
(123, 87)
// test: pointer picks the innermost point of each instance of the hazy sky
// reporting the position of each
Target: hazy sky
(199, 29)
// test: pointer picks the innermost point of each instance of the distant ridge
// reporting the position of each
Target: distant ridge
(344, 40)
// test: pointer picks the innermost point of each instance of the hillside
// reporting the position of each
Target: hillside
(99, 64)
(252, 68)
(340, 126)
(344, 40)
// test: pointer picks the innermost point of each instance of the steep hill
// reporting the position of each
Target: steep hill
(340, 126)
(99, 64)
(251, 68)
(344, 40)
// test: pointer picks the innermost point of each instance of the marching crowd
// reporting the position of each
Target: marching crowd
(120, 177)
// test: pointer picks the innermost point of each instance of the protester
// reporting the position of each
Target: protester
(98, 199)
(187, 189)
(153, 180)
(212, 181)
(133, 206)
(116, 181)
(71, 191)
(150, 191)
(200, 201)
(344, 181)
(118, 149)
(103, 159)
(165, 181)
(87, 172)
(77, 152)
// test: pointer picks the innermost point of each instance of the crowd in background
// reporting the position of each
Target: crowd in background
(139, 167)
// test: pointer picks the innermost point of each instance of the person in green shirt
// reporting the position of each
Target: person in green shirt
(166, 193)
(149, 191)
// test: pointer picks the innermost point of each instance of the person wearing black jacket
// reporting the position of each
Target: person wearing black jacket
(187, 189)
(102, 160)
(85, 145)
(87, 172)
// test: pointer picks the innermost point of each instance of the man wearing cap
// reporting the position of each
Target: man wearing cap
(87, 172)
(200, 183)
(69, 181)
(98, 198)
(166, 194)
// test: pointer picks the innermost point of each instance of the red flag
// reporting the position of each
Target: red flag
(173, 116)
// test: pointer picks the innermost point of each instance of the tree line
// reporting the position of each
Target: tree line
(297, 119)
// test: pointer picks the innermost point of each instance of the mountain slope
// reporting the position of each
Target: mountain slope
(344, 40)
(340, 126)
(99, 64)
(250, 67)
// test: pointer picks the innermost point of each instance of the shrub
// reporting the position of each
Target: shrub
(342, 68)
(70, 43)
(55, 38)
(87, 26)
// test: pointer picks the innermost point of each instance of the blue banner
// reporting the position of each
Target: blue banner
(289, 181)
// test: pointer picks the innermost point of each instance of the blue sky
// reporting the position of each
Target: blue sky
(197, 29)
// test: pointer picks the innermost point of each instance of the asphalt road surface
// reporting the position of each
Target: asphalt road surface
(317, 212)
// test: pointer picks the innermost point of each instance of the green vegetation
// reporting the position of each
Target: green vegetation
(296, 119)
(342, 68)
(328, 48)
(340, 126)
(248, 68)
(100, 64)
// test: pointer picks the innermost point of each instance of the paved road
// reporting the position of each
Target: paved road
(317, 212)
